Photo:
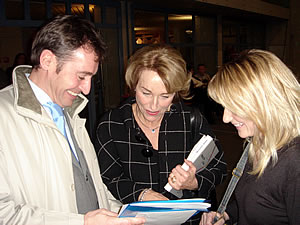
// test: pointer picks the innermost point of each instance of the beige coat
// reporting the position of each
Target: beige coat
(36, 176)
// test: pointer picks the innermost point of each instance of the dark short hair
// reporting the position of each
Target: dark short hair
(200, 64)
(64, 34)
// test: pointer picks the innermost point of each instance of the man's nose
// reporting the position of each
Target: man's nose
(85, 86)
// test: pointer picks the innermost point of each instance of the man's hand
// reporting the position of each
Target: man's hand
(106, 217)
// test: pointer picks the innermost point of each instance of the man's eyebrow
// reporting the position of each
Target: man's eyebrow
(85, 73)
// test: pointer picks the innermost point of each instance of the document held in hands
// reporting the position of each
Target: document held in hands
(201, 155)
(169, 212)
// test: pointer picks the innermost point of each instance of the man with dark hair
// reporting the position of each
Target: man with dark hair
(48, 167)
(202, 75)
(199, 89)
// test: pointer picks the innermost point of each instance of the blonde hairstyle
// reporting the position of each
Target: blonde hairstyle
(259, 87)
(164, 60)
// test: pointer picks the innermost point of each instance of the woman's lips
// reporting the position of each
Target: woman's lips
(238, 125)
(152, 113)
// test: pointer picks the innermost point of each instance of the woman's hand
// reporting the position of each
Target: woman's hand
(180, 179)
(207, 218)
(151, 195)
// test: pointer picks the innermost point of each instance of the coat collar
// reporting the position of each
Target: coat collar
(26, 100)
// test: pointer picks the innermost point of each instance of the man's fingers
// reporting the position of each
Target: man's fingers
(108, 213)
(130, 221)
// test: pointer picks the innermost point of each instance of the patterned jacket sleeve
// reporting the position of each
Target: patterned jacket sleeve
(110, 164)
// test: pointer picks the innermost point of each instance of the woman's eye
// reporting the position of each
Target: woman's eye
(165, 96)
(146, 93)
(81, 78)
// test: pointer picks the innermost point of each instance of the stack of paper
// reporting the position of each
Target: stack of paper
(201, 155)
(170, 212)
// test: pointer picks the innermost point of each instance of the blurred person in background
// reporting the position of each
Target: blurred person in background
(199, 90)
(20, 59)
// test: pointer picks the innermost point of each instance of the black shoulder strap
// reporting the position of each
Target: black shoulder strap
(196, 122)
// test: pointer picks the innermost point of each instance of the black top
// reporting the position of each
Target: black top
(273, 198)
(125, 169)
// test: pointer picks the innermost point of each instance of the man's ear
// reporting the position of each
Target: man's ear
(47, 58)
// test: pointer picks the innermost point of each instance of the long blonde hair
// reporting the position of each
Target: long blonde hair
(258, 86)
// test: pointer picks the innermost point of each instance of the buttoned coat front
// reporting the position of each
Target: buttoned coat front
(37, 185)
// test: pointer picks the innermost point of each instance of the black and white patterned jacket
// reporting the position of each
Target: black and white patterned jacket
(126, 171)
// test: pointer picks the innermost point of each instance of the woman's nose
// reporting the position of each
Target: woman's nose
(154, 103)
(227, 116)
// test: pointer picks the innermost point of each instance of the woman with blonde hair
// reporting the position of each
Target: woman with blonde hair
(142, 144)
(260, 96)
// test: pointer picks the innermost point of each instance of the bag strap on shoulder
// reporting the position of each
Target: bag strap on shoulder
(236, 174)
(196, 121)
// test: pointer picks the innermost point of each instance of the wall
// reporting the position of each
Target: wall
(276, 38)
(294, 37)
(11, 43)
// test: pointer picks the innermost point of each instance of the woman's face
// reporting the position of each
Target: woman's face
(245, 128)
(152, 97)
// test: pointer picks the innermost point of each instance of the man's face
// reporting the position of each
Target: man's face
(74, 77)
(202, 69)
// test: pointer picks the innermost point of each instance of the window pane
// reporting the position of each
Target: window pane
(188, 55)
(111, 15)
(149, 27)
(58, 9)
(180, 28)
(257, 41)
(205, 29)
(13, 40)
(77, 9)
(14, 9)
(95, 13)
(37, 10)
(230, 51)
(206, 55)
(238, 36)
(111, 75)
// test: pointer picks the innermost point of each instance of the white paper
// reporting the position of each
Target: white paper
(170, 218)
(170, 212)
